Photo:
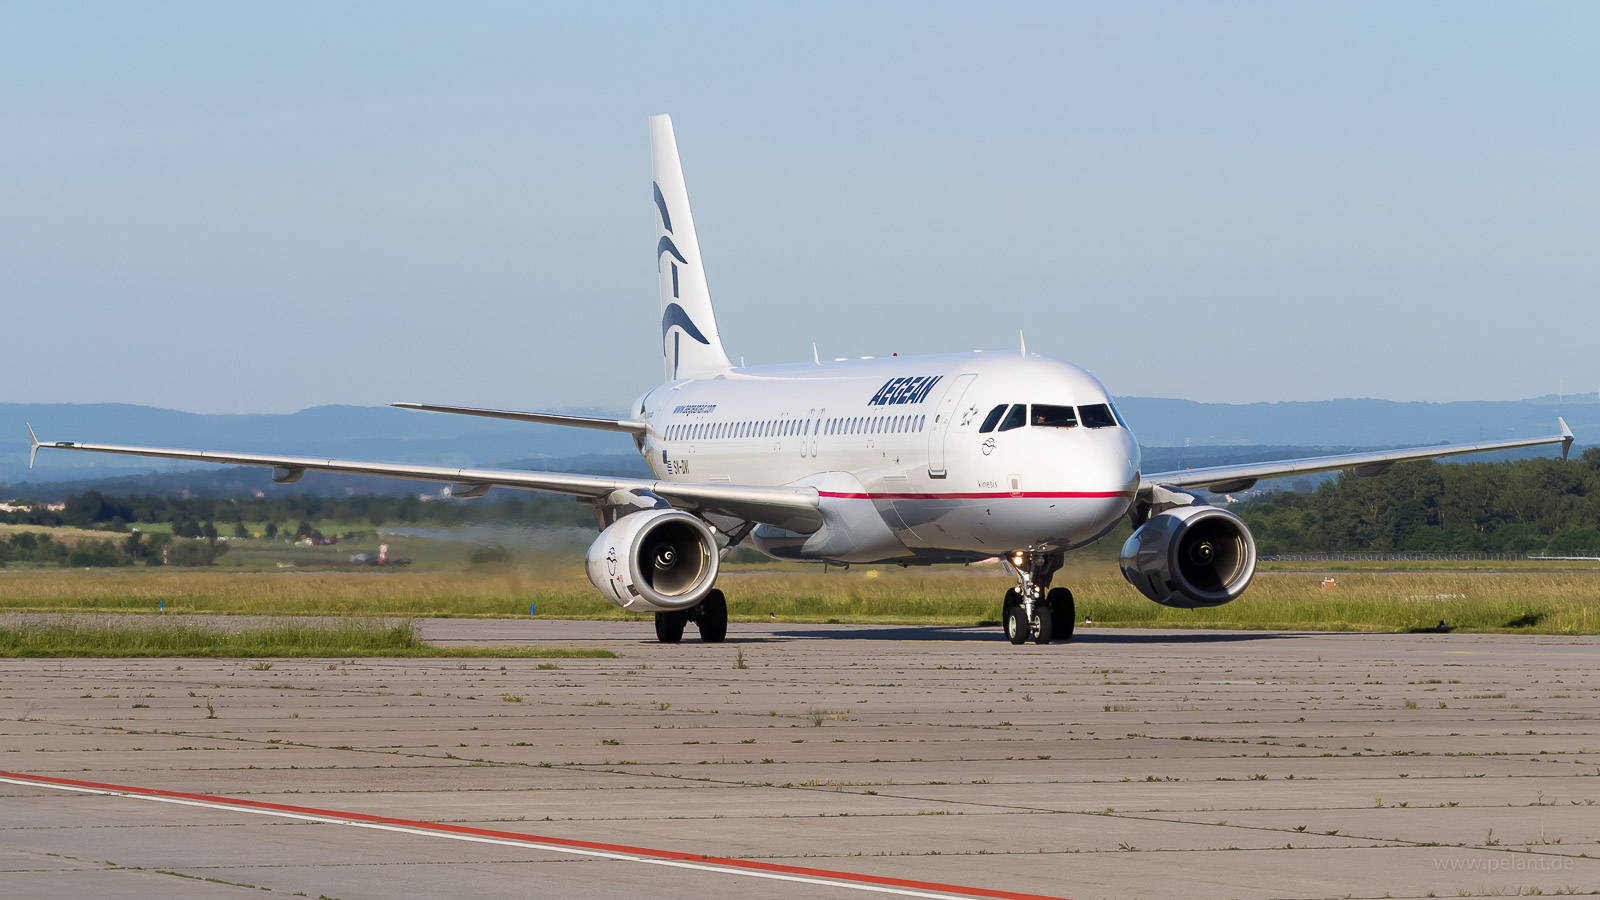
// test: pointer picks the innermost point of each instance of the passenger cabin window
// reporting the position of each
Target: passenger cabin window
(1097, 415)
(1016, 418)
(1054, 416)
(992, 419)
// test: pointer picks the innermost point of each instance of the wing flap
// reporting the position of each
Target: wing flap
(1239, 477)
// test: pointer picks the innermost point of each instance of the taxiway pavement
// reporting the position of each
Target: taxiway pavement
(814, 761)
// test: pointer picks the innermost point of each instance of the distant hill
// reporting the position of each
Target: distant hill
(349, 432)
(1227, 432)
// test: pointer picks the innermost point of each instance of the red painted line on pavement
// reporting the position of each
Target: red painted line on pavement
(446, 828)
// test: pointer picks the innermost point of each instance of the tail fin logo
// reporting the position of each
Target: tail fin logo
(665, 246)
(674, 314)
(661, 204)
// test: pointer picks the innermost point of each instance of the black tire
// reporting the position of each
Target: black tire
(1017, 625)
(1013, 598)
(669, 626)
(713, 618)
(1063, 613)
(1041, 627)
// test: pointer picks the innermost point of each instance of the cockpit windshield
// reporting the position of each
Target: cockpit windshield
(992, 419)
(1016, 418)
(1054, 416)
(1009, 416)
(1097, 415)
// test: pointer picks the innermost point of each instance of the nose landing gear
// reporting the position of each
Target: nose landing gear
(1033, 609)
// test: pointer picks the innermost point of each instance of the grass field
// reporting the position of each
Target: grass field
(67, 536)
(167, 638)
(1423, 565)
(1543, 602)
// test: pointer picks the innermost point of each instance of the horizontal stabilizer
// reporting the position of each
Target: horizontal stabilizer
(628, 426)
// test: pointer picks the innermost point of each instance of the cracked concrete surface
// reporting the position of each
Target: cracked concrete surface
(1125, 764)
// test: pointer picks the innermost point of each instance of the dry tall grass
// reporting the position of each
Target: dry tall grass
(1542, 602)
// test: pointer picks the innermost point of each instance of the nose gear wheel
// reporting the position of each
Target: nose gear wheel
(1033, 610)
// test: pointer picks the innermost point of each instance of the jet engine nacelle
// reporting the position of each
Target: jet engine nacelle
(1190, 557)
(654, 561)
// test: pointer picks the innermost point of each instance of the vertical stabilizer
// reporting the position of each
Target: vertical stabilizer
(690, 344)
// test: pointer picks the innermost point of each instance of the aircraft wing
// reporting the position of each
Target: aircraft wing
(792, 508)
(1222, 479)
(626, 425)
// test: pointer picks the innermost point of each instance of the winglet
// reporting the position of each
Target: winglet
(1566, 437)
(33, 450)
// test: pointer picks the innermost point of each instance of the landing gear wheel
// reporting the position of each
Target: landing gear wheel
(1063, 613)
(713, 618)
(669, 625)
(1013, 598)
(1017, 625)
(1041, 624)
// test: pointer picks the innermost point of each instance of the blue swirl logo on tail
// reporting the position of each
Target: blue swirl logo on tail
(676, 316)
(661, 204)
(674, 313)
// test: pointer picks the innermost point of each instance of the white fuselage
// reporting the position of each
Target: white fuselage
(896, 448)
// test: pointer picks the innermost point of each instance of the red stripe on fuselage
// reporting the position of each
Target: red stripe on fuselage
(988, 495)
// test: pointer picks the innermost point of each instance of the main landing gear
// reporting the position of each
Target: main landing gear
(710, 614)
(1033, 609)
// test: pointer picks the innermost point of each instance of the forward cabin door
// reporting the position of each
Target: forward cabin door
(942, 420)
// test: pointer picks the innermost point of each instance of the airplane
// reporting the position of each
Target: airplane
(908, 460)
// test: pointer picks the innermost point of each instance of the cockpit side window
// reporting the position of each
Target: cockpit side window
(992, 419)
(1097, 415)
(1017, 418)
(1045, 416)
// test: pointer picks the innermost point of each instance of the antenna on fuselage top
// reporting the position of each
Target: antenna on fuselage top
(1023, 339)
(814, 357)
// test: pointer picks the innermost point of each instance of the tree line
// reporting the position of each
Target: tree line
(1531, 506)
(208, 521)
(205, 517)
(136, 548)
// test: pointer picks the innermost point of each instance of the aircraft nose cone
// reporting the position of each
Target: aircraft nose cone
(1122, 476)
(1130, 463)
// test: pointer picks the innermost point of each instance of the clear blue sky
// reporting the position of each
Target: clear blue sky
(260, 207)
